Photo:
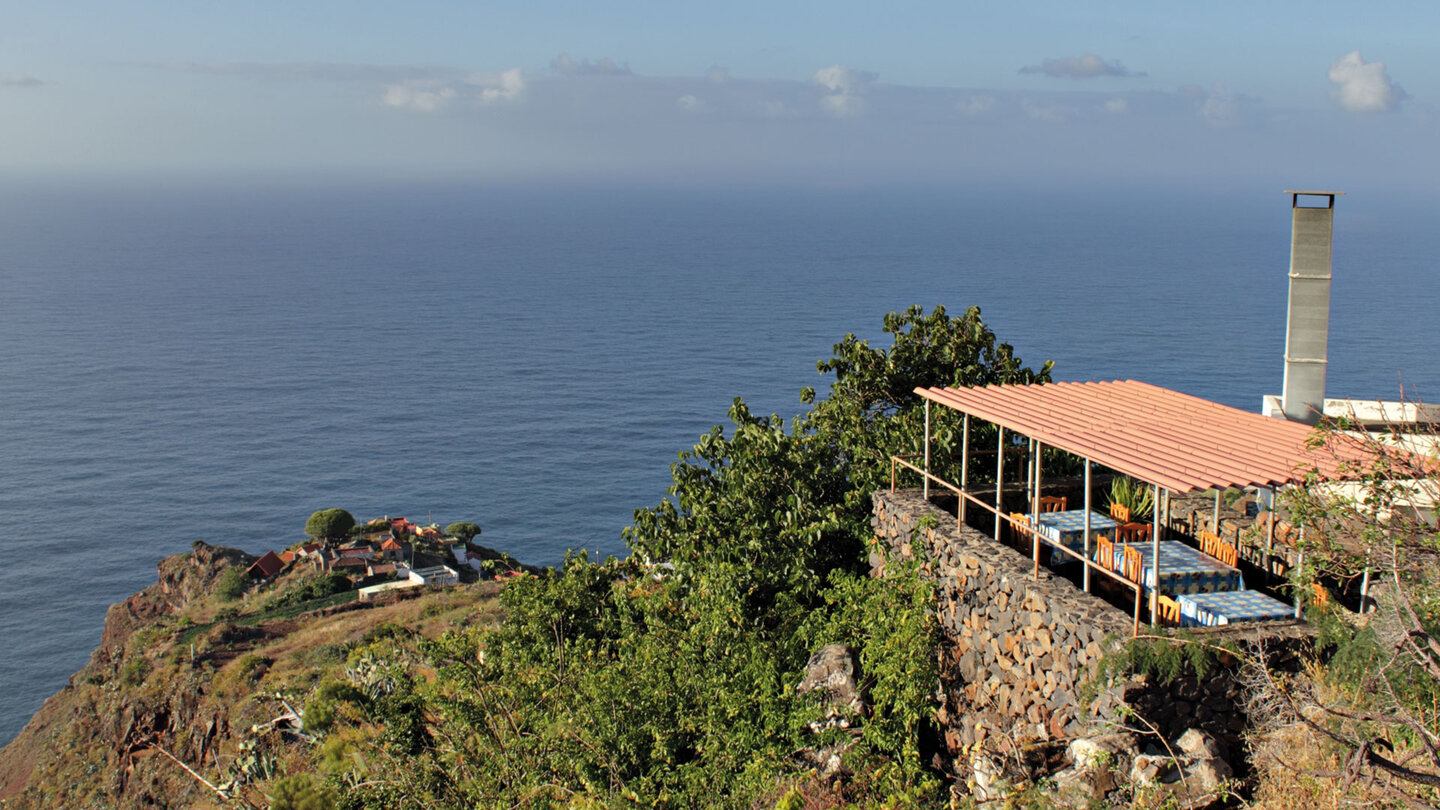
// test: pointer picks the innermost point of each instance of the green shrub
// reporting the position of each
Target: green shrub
(320, 710)
(231, 584)
(1126, 491)
(251, 667)
(300, 792)
(135, 671)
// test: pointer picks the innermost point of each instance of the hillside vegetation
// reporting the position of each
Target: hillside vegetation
(664, 679)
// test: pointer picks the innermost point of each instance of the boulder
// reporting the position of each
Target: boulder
(832, 673)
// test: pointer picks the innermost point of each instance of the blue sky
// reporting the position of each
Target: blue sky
(1287, 93)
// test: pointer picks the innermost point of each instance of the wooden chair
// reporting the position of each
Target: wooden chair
(1321, 597)
(1211, 544)
(1019, 520)
(1134, 565)
(1132, 533)
(1104, 552)
(1169, 609)
(1053, 504)
(1120, 512)
(1226, 553)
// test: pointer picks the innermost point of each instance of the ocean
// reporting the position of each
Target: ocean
(185, 361)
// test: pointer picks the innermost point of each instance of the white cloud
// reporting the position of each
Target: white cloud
(976, 106)
(18, 80)
(717, 75)
(508, 86)
(1050, 113)
(1364, 87)
(566, 66)
(689, 103)
(1089, 66)
(844, 87)
(422, 96)
(1220, 108)
(1117, 106)
(840, 79)
(434, 95)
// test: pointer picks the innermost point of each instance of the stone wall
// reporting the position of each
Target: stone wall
(1020, 649)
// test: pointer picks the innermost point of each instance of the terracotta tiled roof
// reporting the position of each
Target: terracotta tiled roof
(1164, 437)
(267, 566)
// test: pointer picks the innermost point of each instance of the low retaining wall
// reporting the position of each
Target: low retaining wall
(1020, 649)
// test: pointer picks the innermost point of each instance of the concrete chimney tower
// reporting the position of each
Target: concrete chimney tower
(1307, 319)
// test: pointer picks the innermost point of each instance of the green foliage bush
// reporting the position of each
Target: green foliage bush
(300, 792)
(330, 523)
(231, 583)
(317, 588)
(465, 530)
(320, 710)
(135, 671)
(620, 683)
(1128, 492)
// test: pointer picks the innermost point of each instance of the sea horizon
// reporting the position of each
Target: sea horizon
(183, 361)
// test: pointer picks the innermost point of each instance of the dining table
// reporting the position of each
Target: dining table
(1228, 607)
(1067, 528)
(1183, 569)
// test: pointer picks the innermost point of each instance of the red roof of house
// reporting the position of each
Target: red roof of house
(390, 544)
(287, 557)
(350, 562)
(267, 566)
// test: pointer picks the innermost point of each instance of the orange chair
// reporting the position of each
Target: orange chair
(1321, 596)
(1169, 609)
(1053, 504)
(1019, 520)
(1134, 565)
(1211, 544)
(1133, 533)
(1226, 553)
(1120, 512)
(1105, 552)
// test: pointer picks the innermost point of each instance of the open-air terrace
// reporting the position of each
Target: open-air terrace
(1176, 568)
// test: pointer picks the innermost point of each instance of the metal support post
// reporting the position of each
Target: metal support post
(1086, 547)
(925, 487)
(999, 479)
(964, 467)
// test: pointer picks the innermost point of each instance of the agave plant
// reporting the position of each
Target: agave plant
(1126, 491)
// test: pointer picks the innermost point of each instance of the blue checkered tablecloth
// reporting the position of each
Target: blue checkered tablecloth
(1183, 569)
(1068, 529)
(1228, 607)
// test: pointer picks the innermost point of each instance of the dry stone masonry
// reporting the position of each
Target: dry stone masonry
(1020, 648)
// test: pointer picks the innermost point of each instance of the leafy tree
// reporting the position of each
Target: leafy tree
(300, 792)
(465, 530)
(626, 683)
(873, 412)
(231, 584)
(330, 524)
(1378, 706)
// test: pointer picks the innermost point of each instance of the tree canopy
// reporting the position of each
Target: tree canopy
(330, 523)
(668, 678)
(464, 529)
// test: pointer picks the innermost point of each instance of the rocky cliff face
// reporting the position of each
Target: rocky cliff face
(181, 679)
(89, 743)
